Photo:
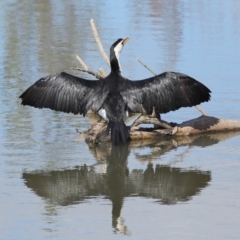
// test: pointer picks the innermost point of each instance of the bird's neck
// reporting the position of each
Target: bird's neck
(115, 64)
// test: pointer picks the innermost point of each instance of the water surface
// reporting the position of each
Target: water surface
(53, 185)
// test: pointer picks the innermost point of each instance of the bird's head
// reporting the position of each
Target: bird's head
(116, 49)
(118, 46)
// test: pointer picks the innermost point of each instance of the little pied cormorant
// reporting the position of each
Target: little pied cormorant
(115, 94)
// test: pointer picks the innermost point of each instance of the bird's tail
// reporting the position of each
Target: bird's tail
(119, 132)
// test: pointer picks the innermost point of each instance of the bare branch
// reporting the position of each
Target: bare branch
(147, 119)
(84, 65)
(102, 71)
(200, 110)
(100, 46)
(149, 69)
(86, 68)
(95, 74)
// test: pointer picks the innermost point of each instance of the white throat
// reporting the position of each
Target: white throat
(117, 51)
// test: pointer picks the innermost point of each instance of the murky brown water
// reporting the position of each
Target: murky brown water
(53, 185)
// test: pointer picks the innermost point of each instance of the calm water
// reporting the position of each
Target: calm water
(54, 186)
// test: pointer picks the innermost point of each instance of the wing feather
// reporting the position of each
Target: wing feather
(66, 93)
(168, 91)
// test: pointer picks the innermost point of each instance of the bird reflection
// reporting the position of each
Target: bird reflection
(116, 179)
(117, 171)
(164, 183)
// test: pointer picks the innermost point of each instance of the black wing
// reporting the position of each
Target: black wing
(66, 93)
(168, 91)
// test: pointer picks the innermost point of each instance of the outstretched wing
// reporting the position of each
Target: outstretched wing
(66, 93)
(168, 91)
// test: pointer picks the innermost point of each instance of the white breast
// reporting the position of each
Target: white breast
(103, 113)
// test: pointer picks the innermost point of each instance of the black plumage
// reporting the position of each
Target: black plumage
(166, 92)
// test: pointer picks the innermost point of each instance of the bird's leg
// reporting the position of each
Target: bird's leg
(154, 114)
(139, 120)
(143, 111)
(160, 122)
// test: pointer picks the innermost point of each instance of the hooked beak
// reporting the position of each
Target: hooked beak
(125, 41)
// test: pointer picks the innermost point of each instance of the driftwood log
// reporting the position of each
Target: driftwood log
(203, 124)
(160, 146)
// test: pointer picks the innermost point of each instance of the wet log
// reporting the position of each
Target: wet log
(203, 124)
(206, 124)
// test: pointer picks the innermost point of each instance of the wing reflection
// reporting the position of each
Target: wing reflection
(166, 184)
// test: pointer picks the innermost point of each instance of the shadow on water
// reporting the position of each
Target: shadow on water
(167, 184)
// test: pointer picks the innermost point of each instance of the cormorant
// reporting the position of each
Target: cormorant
(115, 94)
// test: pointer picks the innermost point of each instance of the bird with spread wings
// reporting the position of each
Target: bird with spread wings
(116, 94)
